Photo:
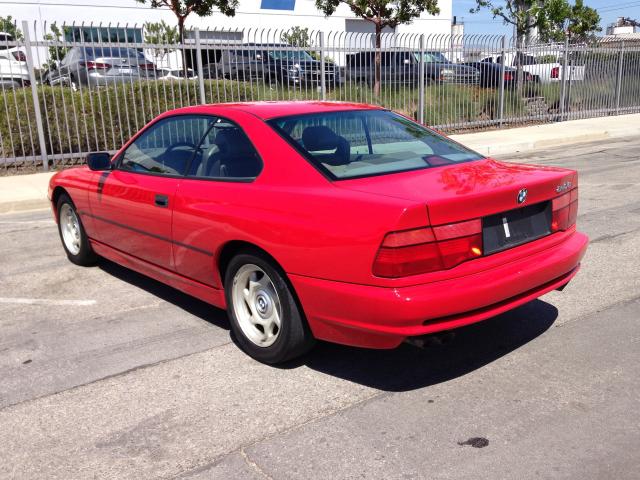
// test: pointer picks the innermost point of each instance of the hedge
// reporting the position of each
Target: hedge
(102, 119)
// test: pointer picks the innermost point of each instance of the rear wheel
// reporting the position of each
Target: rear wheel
(264, 315)
(74, 239)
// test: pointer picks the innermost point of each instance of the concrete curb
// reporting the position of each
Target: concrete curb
(517, 140)
(29, 192)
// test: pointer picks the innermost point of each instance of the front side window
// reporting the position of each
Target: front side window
(166, 147)
(432, 57)
(290, 55)
(225, 153)
(364, 143)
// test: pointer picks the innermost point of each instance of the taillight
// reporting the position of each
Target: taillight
(19, 56)
(555, 72)
(508, 77)
(97, 66)
(565, 211)
(427, 249)
(146, 66)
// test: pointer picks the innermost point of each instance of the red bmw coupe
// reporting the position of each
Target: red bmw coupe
(314, 220)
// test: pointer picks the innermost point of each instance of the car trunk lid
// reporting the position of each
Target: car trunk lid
(465, 191)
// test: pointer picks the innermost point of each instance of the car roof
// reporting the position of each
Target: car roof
(267, 110)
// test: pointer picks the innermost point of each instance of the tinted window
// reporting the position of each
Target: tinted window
(369, 142)
(166, 147)
(226, 152)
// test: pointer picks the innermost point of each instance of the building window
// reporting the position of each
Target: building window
(102, 34)
(278, 4)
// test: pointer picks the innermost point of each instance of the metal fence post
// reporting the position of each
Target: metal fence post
(203, 98)
(34, 94)
(563, 91)
(619, 77)
(503, 51)
(323, 79)
(421, 82)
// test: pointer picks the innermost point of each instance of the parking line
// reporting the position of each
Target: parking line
(47, 301)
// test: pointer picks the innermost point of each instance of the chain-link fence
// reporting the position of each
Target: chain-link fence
(69, 90)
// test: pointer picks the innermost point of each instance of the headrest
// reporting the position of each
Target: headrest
(232, 141)
(320, 138)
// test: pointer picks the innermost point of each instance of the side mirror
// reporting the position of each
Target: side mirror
(99, 161)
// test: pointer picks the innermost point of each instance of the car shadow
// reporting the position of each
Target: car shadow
(408, 367)
(192, 305)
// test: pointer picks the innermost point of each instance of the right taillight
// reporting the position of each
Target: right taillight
(555, 72)
(565, 211)
(427, 249)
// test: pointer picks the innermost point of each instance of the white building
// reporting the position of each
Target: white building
(267, 14)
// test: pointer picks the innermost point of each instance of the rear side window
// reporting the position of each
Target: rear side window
(368, 142)
(225, 153)
(167, 147)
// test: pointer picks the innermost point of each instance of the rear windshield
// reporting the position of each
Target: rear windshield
(117, 52)
(365, 143)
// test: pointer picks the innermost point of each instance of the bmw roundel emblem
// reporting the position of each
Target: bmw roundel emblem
(522, 195)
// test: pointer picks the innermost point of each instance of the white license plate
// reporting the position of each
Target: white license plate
(125, 71)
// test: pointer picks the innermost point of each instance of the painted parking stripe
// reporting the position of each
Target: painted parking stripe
(47, 301)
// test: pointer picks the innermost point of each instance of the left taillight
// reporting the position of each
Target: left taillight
(97, 66)
(555, 72)
(146, 66)
(428, 249)
(19, 56)
(565, 211)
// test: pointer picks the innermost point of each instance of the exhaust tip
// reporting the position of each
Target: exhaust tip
(432, 340)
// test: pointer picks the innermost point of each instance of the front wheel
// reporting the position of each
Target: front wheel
(264, 315)
(74, 239)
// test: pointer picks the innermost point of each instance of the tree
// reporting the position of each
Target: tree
(203, 8)
(560, 20)
(56, 52)
(553, 19)
(8, 25)
(160, 33)
(382, 14)
(297, 36)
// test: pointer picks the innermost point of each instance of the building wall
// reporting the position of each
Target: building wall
(250, 14)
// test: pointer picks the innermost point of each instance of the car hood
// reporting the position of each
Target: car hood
(468, 190)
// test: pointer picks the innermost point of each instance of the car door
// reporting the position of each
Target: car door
(133, 203)
(213, 198)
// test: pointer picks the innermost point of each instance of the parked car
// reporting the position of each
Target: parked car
(271, 63)
(173, 74)
(99, 66)
(403, 68)
(13, 64)
(316, 220)
(491, 74)
(540, 72)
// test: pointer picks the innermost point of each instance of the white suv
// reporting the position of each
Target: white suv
(13, 64)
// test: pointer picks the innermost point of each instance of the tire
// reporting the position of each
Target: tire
(251, 310)
(72, 234)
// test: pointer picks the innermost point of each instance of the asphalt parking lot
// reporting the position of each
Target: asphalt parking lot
(107, 374)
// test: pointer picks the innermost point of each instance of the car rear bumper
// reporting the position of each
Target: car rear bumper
(380, 317)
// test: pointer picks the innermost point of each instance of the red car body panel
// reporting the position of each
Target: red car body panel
(325, 235)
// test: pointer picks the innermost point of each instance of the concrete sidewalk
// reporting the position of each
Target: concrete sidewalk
(29, 192)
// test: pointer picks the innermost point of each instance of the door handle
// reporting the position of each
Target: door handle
(162, 201)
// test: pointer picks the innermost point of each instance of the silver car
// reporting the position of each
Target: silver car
(100, 66)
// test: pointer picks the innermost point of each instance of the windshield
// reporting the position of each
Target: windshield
(290, 55)
(431, 57)
(117, 52)
(364, 143)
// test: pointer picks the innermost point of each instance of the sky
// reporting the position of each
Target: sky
(483, 23)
